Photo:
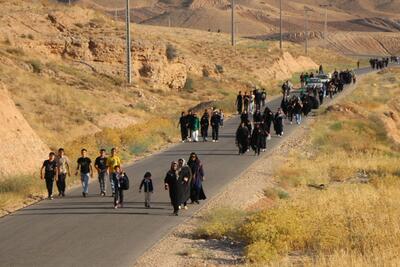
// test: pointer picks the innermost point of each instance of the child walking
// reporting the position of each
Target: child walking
(117, 180)
(147, 184)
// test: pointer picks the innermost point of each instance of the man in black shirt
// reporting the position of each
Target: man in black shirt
(50, 173)
(215, 123)
(102, 169)
(86, 170)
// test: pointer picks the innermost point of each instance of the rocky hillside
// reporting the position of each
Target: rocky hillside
(63, 67)
(22, 148)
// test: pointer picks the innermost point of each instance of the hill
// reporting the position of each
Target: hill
(56, 57)
(259, 18)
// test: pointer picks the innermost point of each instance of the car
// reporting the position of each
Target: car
(314, 83)
(325, 78)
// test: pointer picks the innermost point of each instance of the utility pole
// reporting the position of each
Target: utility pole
(326, 24)
(69, 2)
(169, 20)
(128, 43)
(306, 10)
(280, 25)
(116, 14)
(233, 23)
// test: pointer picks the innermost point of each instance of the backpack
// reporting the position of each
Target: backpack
(125, 182)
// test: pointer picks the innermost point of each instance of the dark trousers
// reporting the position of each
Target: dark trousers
(119, 196)
(61, 183)
(204, 133)
(49, 186)
(184, 133)
(215, 132)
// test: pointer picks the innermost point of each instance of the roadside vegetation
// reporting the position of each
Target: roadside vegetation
(341, 200)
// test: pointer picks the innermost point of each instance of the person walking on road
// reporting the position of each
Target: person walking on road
(112, 161)
(268, 118)
(205, 123)
(215, 123)
(278, 122)
(63, 171)
(190, 123)
(102, 170)
(263, 98)
(117, 179)
(239, 103)
(256, 139)
(183, 123)
(172, 185)
(196, 167)
(147, 185)
(185, 180)
(50, 173)
(242, 138)
(297, 110)
(221, 114)
(86, 171)
(195, 128)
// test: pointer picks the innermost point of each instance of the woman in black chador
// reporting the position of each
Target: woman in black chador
(171, 182)
(185, 180)
(256, 139)
(239, 103)
(183, 122)
(268, 118)
(197, 180)
(242, 138)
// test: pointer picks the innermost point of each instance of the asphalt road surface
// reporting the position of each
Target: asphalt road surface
(76, 231)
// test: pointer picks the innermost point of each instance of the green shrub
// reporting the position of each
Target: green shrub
(171, 52)
(36, 65)
(189, 85)
(219, 69)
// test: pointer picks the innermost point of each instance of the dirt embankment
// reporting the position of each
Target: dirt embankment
(21, 149)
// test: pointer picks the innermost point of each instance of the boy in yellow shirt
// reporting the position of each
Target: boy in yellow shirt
(113, 161)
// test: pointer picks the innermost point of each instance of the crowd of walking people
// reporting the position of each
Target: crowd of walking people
(184, 181)
(193, 127)
(255, 126)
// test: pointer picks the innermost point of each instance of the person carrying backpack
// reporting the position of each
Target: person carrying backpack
(147, 185)
(121, 183)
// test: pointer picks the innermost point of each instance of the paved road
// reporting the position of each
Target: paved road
(78, 231)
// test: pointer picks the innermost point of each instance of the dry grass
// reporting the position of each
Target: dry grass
(355, 219)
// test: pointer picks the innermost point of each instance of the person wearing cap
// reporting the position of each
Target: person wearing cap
(172, 185)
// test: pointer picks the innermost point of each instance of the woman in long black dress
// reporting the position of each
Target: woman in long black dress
(242, 138)
(268, 119)
(256, 139)
(172, 184)
(185, 180)
(198, 177)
